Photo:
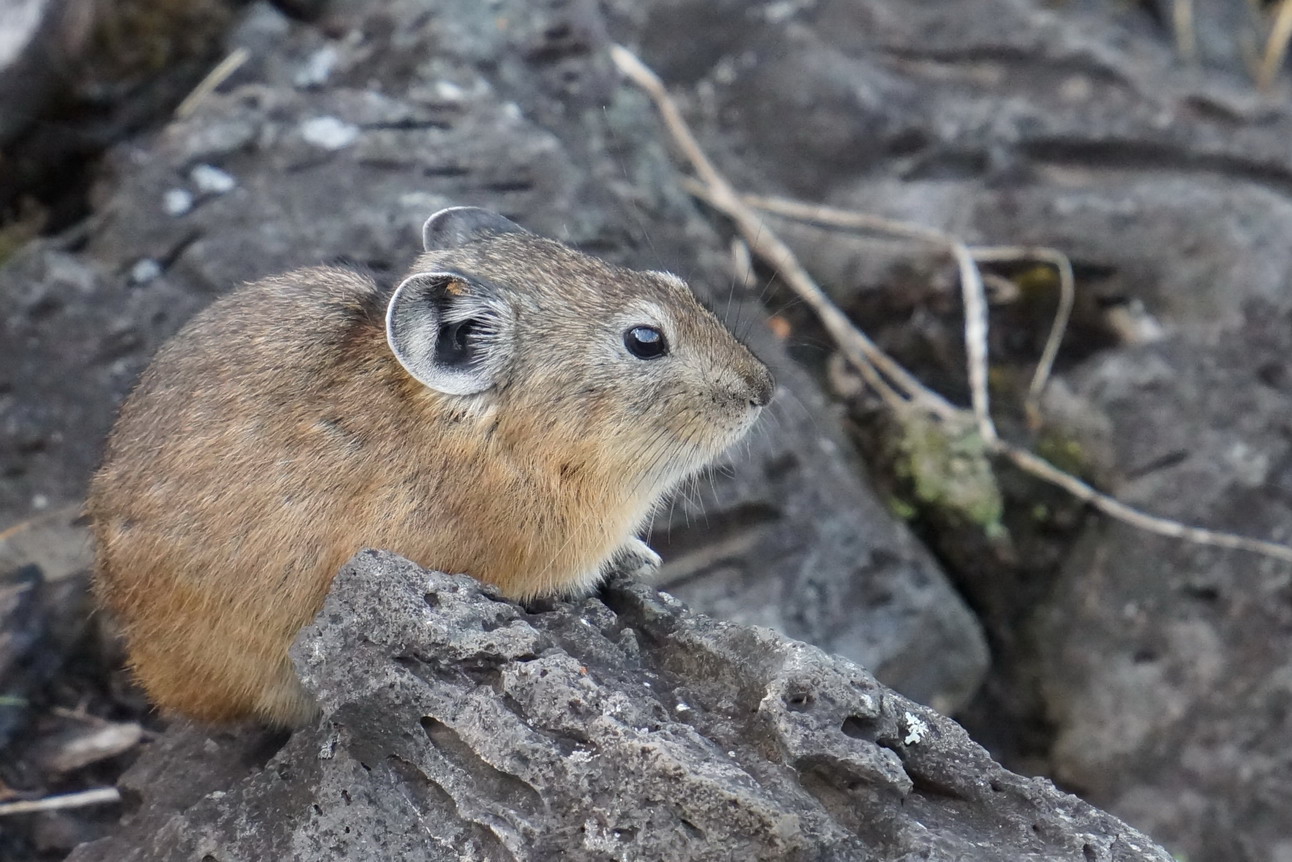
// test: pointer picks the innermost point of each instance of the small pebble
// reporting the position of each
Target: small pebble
(211, 180)
(317, 69)
(329, 133)
(449, 91)
(145, 271)
(176, 202)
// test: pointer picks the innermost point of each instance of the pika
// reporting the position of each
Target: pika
(512, 409)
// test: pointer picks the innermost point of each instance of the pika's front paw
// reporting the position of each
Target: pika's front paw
(636, 558)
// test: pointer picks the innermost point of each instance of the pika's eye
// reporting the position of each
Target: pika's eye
(645, 342)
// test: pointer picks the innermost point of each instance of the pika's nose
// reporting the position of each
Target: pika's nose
(762, 386)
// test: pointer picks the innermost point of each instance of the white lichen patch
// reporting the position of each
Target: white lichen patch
(916, 729)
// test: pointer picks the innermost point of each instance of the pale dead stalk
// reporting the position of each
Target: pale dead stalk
(868, 358)
(856, 345)
(214, 78)
(1276, 46)
(1038, 467)
(1186, 34)
(970, 280)
(1058, 327)
(97, 796)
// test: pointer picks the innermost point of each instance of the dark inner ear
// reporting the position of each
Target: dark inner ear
(450, 331)
(456, 345)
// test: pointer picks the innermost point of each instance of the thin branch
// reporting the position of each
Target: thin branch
(1276, 47)
(1038, 467)
(850, 219)
(214, 78)
(1186, 36)
(867, 357)
(1058, 327)
(970, 281)
(97, 796)
(975, 313)
(720, 194)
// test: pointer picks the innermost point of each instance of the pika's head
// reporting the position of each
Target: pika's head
(626, 367)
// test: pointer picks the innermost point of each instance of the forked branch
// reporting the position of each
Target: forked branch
(895, 384)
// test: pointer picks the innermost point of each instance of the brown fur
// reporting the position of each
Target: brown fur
(276, 435)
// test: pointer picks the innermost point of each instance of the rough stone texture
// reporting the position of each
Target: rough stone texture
(1002, 120)
(459, 726)
(1166, 665)
(337, 148)
(30, 54)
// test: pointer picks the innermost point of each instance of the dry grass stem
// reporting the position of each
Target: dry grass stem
(970, 280)
(1038, 467)
(720, 194)
(97, 796)
(869, 359)
(1276, 46)
(1186, 36)
(212, 81)
(1058, 327)
(975, 313)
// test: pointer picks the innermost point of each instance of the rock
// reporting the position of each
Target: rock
(1165, 663)
(457, 725)
(1005, 121)
(37, 38)
(1020, 123)
(22, 634)
(424, 107)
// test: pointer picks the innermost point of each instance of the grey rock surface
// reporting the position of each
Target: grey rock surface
(459, 726)
(1003, 121)
(1166, 664)
(329, 148)
(36, 39)
(1006, 121)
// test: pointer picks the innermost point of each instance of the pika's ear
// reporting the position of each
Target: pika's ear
(457, 226)
(451, 332)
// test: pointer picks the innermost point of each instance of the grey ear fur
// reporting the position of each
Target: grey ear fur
(457, 226)
(451, 333)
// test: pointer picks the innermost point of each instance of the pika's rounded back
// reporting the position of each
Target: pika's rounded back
(512, 409)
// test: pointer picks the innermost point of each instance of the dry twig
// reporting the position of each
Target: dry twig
(1059, 326)
(869, 359)
(970, 278)
(208, 85)
(1186, 36)
(97, 796)
(720, 194)
(1276, 46)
